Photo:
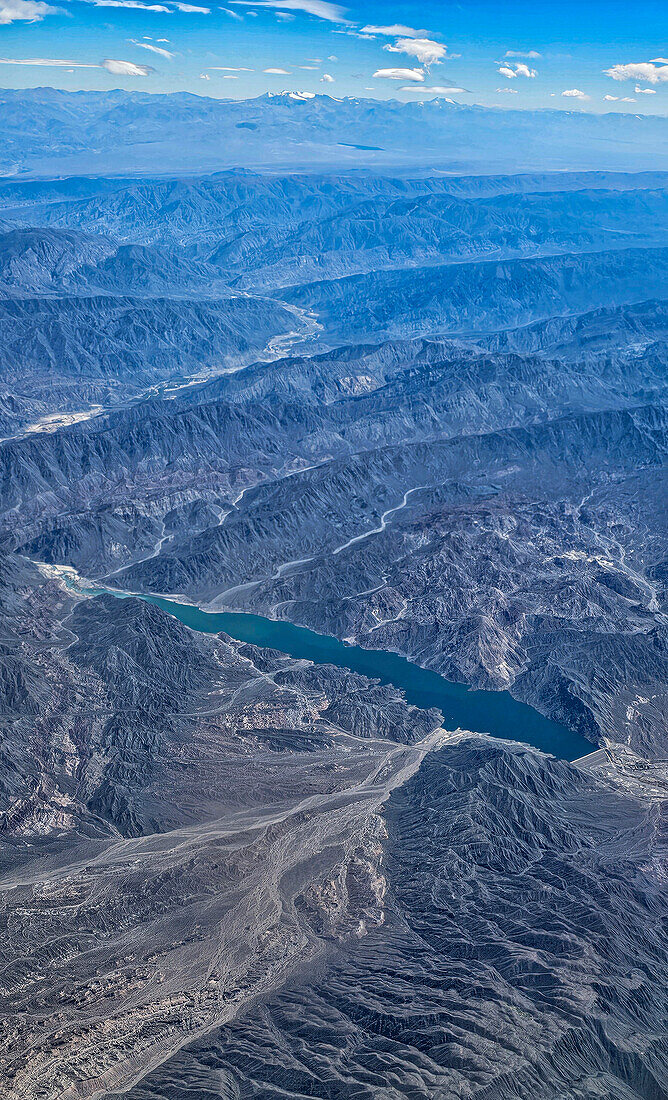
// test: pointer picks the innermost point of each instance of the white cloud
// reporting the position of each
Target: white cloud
(399, 74)
(519, 69)
(118, 68)
(610, 98)
(129, 4)
(423, 50)
(531, 54)
(436, 89)
(508, 91)
(12, 11)
(154, 49)
(50, 62)
(192, 9)
(322, 9)
(285, 17)
(574, 93)
(125, 68)
(233, 14)
(644, 91)
(277, 72)
(653, 72)
(230, 69)
(396, 30)
(326, 79)
(204, 76)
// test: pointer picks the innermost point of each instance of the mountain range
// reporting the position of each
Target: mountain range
(414, 403)
(47, 132)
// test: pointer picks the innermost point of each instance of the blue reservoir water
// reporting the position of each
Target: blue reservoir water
(493, 712)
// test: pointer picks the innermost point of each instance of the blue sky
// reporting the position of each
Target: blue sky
(597, 56)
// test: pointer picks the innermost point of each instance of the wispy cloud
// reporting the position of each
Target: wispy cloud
(276, 72)
(400, 74)
(644, 91)
(508, 91)
(652, 72)
(154, 49)
(229, 69)
(322, 9)
(118, 68)
(12, 11)
(395, 30)
(129, 4)
(436, 89)
(424, 50)
(574, 93)
(530, 54)
(49, 62)
(174, 5)
(125, 68)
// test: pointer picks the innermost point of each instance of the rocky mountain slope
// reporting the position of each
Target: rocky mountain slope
(508, 916)
(421, 412)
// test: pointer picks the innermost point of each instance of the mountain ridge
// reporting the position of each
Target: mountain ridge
(42, 132)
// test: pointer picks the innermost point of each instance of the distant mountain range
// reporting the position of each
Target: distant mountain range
(46, 132)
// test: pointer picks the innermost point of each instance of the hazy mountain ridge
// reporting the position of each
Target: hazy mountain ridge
(480, 296)
(51, 132)
(176, 273)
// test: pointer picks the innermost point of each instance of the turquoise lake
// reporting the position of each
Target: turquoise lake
(493, 712)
